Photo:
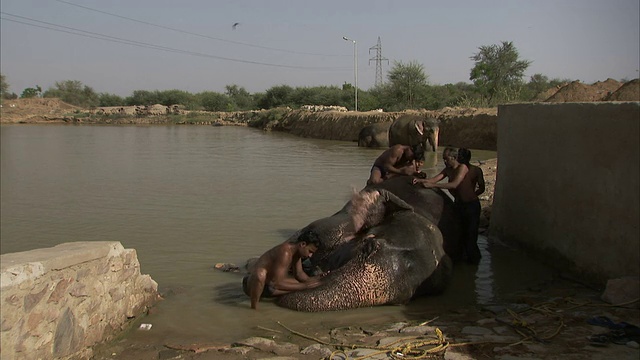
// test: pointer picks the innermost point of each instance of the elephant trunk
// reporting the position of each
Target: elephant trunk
(433, 139)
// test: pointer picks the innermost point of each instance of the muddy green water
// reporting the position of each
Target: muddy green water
(188, 197)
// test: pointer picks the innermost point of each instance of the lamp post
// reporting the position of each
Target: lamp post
(355, 69)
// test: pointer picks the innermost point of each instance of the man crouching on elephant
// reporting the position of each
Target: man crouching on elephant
(269, 277)
(397, 160)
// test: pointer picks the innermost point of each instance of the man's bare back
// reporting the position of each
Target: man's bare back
(397, 160)
(270, 274)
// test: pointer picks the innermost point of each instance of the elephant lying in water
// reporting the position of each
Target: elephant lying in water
(382, 247)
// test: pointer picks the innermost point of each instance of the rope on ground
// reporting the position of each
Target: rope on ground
(590, 303)
(405, 348)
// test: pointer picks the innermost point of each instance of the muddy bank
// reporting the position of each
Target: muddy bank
(473, 128)
(461, 127)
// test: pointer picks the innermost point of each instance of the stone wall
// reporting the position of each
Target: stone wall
(567, 183)
(58, 302)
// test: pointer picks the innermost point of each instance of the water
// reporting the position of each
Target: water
(188, 197)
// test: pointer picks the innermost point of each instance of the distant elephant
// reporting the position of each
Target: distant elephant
(414, 130)
(374, 135)
(383, 247)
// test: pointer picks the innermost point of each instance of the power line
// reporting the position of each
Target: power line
(93, 35)
(379, 59)
(196, 34)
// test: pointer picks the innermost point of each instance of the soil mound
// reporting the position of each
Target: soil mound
(576, 91)
(630, 91)
(34, 110)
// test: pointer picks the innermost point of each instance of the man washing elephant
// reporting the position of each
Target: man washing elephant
(466, 183)
(269, 276)
(397, 160)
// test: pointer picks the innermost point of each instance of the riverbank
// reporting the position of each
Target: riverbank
(556, 318)
(473, 128)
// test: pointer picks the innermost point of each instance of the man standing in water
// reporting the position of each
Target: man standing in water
(269, 277)
(396, 160)
(463, 180)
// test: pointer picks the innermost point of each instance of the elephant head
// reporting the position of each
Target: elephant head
(383, 247)
(414, 130)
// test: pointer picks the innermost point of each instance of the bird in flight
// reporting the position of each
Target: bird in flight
(235, 25)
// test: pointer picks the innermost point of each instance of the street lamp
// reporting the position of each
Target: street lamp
(355, 68)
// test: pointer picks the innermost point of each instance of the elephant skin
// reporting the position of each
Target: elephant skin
(382, 250)
(413, 130)
(374, 135)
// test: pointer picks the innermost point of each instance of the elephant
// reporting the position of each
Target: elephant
(374, 135)
(383, 247)
(414, 130)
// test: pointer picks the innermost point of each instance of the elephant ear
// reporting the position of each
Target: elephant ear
(419, 127)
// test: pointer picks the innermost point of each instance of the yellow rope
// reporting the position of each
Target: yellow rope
(409, 350)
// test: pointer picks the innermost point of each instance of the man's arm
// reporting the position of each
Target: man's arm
(280, 269)
(390, 162)
(431, 180)
(300, 275)
(458, 176)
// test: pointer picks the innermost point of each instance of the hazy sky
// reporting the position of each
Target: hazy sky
(192, 45)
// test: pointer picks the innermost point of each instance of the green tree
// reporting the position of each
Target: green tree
(29, 93)
(240, 98)
(498, 72)
(105, 99)
(213, 101)
(74, 93)
(142, 97)
(407, 83)
(175, 97)
(276, 96)
(4, 86)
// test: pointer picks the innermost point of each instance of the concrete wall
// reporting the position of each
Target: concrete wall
(567, 183)
(58, 302)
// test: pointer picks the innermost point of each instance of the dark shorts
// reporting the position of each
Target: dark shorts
(383, 172)
(267, 292)
(469, 213)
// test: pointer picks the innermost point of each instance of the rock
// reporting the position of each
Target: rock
(269, 346)
(622, 290)
(476, 330)
(452, 355)
(368, 354)
(633, 345)
(227, 267)
(418, 330)
(396, 326)
(318, 350)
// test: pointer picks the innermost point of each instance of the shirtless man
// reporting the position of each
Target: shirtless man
(270, 274)
(465, 183)
(397, 160)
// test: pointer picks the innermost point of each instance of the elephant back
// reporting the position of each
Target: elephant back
(374, 135)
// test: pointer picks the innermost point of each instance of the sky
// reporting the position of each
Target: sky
(118, 46)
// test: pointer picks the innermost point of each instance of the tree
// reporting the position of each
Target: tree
(105, 99)
(142, 97)
(276, 96)
(29, 93)
(498, 72)
(407, 83)
(4, 86)
(240, 97)
(74, 93)
(213, 101)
